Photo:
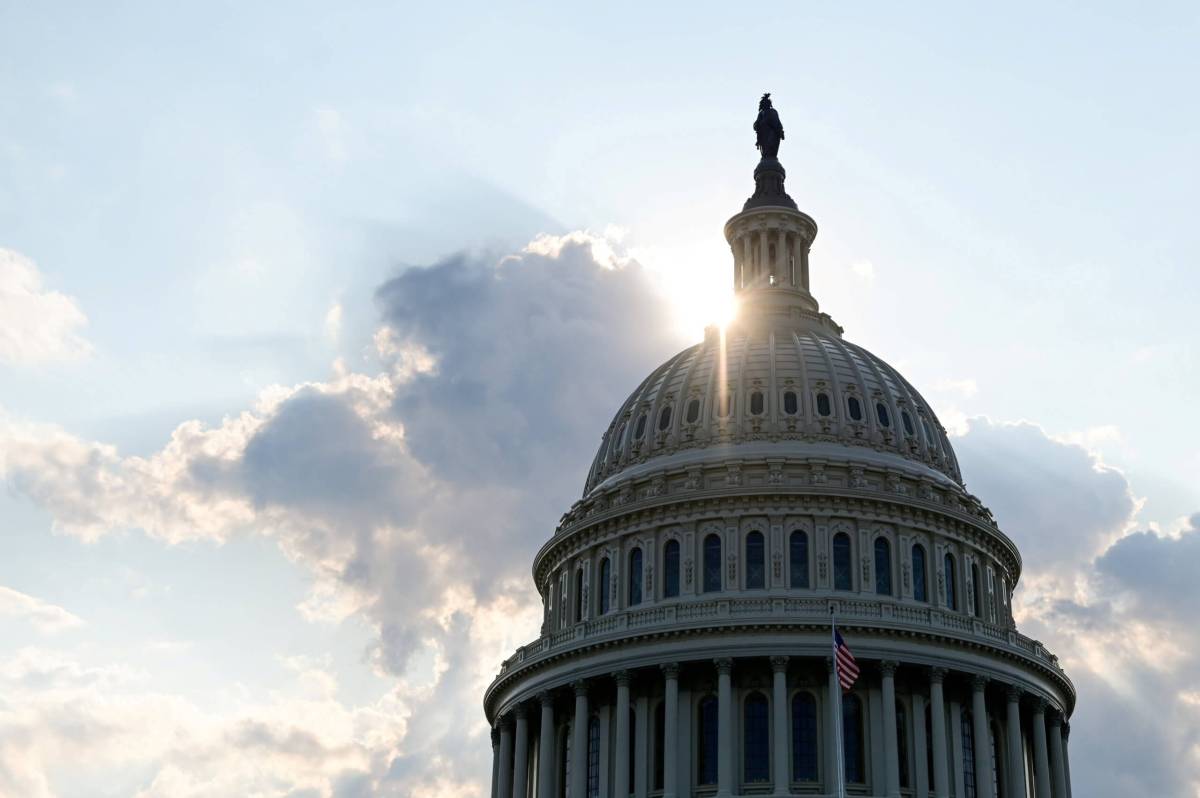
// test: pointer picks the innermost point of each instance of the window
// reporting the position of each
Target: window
(855, 408)
(842, 572)
(564, 765)
(883, 567)
(578, 595)
(640, 429)
(852, 741)
(605, 581)
(804, 737)
(999, 782)
(881, 413)
(823, 406)
(918, 568)
(635, 577)
(712, 563)
(660, 745)
(928, 433)
(906, 419)
(706, 748)
(798, 558)
(757, 404)
(968, 752)
(902, 743)
(756, 764)
(593, 758)
(664, 418)
(756, 566)
(693, 411)
(951, 593)
(977, 589)
(929, 742)
(671, 569)
(791, 403)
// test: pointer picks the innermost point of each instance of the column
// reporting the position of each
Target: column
(546, 748)
(725, 724)
(579, 740)
(1016, 751)
(506, 758)
(937, 717)
(495, 763)
(983, 752)
(1058, 770)
(641, 737)
(920, 752)
(621, 769)
(779, 732)
(1041, 765)
(1066, 737)
(891, 758)
(763, 251)
(521, 755)
(833, 728)
(671, 730)
(747, 266)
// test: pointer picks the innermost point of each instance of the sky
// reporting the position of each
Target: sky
(311, 318)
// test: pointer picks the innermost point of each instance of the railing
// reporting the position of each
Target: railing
(706, 612)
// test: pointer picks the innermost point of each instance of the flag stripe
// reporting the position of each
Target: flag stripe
(844, 663)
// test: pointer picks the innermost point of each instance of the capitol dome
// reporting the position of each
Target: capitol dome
(752, 490)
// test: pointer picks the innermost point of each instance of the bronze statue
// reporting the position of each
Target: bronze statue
(768, 128)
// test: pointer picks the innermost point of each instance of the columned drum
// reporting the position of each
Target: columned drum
(755, 486)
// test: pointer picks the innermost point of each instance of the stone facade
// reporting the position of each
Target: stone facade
(753, 487)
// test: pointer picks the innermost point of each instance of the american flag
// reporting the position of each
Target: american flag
(847, 668)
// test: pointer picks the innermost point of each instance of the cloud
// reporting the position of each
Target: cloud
(415, 497)
(864, 270)
(44, 617)
(37, 325)
(1118, 606)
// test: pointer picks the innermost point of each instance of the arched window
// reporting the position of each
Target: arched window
(791, 403)
(823, 406)
(968, 753)
(664, 418)
(660, 745)
(640, 429)
(706, 743)
(804, 737)
(843, 573)
(605, 581)
(635, 577)
(593, 758)
(712, 563)
(951, 592)
(671, 569)
(852, 738)
(920, 593)
(906, 419)
(756, 764)
(693, 411)
(578, 595)
(855, 408)
(881, 413)
(902, 743)
(883, 567)
(977, 589)
(757, 404)
(756, 565)
(798, 558)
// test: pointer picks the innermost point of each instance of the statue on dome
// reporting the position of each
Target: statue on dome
(768, 128)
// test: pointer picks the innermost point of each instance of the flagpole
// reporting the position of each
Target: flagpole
(841, 766)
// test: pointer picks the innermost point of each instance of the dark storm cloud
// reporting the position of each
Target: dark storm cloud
(1159, 572)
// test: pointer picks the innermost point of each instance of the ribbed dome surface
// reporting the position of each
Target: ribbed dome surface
(792, 388)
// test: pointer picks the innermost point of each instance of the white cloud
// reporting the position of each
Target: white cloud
(45, 617)
(37, 325)
(333, 321)
(414, 498)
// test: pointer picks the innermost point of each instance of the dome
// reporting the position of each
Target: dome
(755, 491)
(791, 388)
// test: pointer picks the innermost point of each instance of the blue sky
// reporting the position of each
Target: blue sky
(209, 222)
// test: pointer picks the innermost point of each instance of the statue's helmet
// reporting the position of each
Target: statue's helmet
(765, 102)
